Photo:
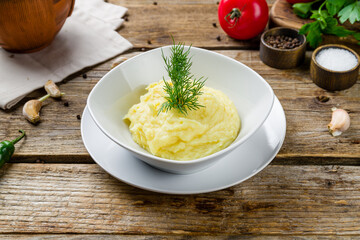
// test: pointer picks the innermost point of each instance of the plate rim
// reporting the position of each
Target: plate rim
(188, 192)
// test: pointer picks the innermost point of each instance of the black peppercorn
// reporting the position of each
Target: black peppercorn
(282, 42)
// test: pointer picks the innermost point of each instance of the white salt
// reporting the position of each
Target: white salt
(336, 59)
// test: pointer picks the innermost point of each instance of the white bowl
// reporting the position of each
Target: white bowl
(121, 88)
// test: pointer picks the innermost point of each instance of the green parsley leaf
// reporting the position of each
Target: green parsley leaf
(351, 12)
(303, 10)
(320, 17)
(334, 6)
(334, 29)
(313, 33)
(325, 21)
(356, 35)
(305, 28)
(315, 15)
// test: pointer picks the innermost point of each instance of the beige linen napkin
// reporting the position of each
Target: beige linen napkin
(88, 37)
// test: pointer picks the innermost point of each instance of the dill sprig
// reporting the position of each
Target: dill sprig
(183, 90)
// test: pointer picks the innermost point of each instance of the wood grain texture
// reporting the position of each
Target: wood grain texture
(164, 237)
(130, 3)
(82, 198)
(284, 201)
(148, 25)
(57, 138)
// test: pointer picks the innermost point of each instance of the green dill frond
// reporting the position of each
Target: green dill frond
(183, 90)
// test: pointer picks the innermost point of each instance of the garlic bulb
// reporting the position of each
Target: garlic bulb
(340, 122)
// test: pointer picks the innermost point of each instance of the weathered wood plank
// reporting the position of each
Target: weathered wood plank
(150, 25)
(81, 198)
(57, 138)
(162, 237)
(127, 3)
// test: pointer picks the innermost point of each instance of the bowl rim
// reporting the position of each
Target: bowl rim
(318, 49)
(173, 161)
(303, 38)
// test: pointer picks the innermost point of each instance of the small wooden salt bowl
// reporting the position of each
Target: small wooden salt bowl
(329, 79)
(282, 58)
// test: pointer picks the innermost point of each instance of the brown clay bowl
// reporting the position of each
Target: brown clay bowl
(31, 25)
(329, 79)
(282, 58)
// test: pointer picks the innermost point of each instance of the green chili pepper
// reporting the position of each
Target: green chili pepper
(7, 148)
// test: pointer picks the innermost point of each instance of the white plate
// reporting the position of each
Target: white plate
(242, 163)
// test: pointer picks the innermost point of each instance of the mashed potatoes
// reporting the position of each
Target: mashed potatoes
(172, 135)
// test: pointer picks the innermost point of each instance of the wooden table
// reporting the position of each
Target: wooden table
(52, 188)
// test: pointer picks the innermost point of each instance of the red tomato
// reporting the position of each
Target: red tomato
(243, 19)
(299, 1)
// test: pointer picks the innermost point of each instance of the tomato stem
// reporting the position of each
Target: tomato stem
(234, 13)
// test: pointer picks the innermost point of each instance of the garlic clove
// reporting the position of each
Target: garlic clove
(31, 110)
(52, 89)
(340, 122)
